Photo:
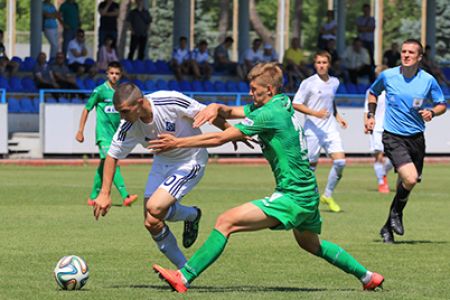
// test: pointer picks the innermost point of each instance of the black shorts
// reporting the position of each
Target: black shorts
(405, 149)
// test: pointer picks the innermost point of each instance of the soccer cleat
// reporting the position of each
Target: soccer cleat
(375, 282)
(396, 222)
(383, 188)
(129, 200)
(387, 235)
(172, 277)
(190, 232)
(91, 202)
(332, 205)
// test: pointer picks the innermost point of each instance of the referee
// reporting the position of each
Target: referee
(407, 89)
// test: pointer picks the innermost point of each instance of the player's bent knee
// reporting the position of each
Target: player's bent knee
(225, 225)
(156, 211)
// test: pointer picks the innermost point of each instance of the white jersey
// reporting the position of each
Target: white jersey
(379, 112)
(317, 94)
(173, 113)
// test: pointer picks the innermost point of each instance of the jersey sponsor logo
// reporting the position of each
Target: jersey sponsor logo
(170, 126)
(417, 103)
(272, 198)
(108, 100)
(248, 122)
(110, 109)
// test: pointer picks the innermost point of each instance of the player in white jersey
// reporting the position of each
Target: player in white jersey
(382, 164)
(315, 98)
(173, 174)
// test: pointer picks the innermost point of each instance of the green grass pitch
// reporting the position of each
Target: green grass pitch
(44, 216)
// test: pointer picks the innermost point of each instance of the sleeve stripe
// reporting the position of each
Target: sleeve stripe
(177, 99)
(170, 103)
(123, 131)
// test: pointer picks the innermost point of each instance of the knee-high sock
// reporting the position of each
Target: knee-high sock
(334, 176)
(97, 181)
(178, 212)
(119, 183)
(338, 257)
(167, 244)
(399, 201)
(379, 171)
(205, 256)
(387, 165)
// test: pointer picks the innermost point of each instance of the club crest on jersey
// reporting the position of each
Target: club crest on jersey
(110, 109)
(170, 126)
(248, 122)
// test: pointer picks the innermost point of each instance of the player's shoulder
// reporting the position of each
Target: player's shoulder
(392, 72)
(167, 98)
(425, 75)
(334, 80)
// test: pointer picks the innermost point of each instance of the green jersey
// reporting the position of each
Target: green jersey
(281, 142)
(108, 118)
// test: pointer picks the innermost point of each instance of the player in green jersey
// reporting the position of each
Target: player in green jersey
(294, 203)
(108, 119)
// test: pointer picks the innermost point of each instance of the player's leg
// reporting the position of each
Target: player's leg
(247, 217)
(119, 183)
(338, 257)
(381, 163)
(96, 187)
(313, 145)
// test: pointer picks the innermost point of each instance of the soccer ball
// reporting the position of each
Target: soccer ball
(71, 272)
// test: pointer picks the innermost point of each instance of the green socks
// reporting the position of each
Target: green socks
(118, 181)
(337, 256)
(205, 256)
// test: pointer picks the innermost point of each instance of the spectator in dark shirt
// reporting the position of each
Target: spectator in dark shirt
(222, 61)
(428, 64)
(63, 77)
(139, 19)
(391, 57)
(70, 19)
(109, 11)
(43, 76)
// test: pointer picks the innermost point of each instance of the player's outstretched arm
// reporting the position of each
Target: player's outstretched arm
(321, 114)
(80, 133)
(103, 201)
(212, 111)
(167, 142)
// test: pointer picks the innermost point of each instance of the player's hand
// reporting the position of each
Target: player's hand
(79, 136)
(165, 142)
(343, 123)
(206, 115)
(102, 205)
(369, 125)
(247, 140)
(322, 114)
(426, 115)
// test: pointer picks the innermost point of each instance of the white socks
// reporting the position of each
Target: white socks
(334, 176)
(366, 278)
(379, 171)
(178, 212)
(167, 244)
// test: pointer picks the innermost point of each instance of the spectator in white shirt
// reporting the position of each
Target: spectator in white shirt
(357, 61)
(77, 55)
(180, 59)
(201, 69)
(252, 56)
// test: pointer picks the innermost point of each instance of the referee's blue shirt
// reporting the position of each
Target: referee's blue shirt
(404, 98)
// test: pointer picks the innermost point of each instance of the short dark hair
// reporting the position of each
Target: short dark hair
(79, 30)
(115, 64)
(203, 42)
(126, 92)
(229, 39)
(183, 38)
(414, 41)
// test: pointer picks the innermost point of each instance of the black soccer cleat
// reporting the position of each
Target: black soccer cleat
(190, 232)
(396, 223)
(387, 235)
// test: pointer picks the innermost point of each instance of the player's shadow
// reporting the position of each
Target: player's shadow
(226, 289)
(412, 242)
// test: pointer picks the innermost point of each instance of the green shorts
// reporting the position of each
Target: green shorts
(103, 148)
(292, 213)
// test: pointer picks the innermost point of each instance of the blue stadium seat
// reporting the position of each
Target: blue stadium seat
(17, 59)
(208, 86)
(150, 67)
(197, 86)
(28, 64)
(13, 106)
(445, 90)
(4, 83)
(80, 83)
(174, 85)
(26, 106)
(185, 86)
(99, 81)
(351, 88)
(231, 86)
(89, 84)
(161, 85)
(150, 85)
(446, 72)
(243, 87)
(162, 67)
(138, 66)
(219, 86)
(29, 85)
(51, 100)
(15, 84)
(89, 62)
(139, 84)
(36, 104)
(64, 100)
(77, 101)
(362, 88)
(127, 66)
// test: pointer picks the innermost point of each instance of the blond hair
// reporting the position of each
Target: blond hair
(267, 74)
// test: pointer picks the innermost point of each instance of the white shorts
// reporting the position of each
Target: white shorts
(376, 141)
(177, 179)
(330, 142)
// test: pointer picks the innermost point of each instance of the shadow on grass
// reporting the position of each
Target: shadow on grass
(412, 242)
(215, 289)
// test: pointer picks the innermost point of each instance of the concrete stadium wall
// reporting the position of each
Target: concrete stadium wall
(3, 128)
(59, 123)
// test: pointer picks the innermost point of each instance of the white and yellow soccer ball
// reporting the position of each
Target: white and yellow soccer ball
(71, 272)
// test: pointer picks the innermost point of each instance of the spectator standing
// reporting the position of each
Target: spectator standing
(70, 19)
(107, 54)
(201, 68)
(222, 61)
(139, 19)
(109, 11)
(63, 77)
(365, 25)
(328, 30)
(357, 61)
(391, 56)
(50, 26)
(43, 75)
(180, 59)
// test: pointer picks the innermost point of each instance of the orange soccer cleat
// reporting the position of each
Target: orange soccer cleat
(130, 200)
(173, 278)
(375, 282)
